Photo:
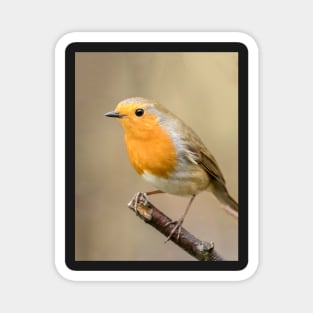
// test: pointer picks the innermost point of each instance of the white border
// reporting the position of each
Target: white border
(251, 268)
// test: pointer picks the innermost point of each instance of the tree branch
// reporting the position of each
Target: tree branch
(201, 250)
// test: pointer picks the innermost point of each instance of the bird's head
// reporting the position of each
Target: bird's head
(138, 115)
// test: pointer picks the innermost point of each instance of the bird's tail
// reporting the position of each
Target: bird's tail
(229, 204)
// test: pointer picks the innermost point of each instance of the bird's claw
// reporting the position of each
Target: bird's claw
(177, 227)
(139, 198)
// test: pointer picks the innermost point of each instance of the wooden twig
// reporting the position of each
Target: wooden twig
(201, 250)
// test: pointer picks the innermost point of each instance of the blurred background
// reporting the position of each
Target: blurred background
(200, 88)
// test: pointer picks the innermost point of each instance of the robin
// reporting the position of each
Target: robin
(169, 154)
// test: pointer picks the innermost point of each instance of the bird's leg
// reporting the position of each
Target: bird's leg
(142, 197)
(179, 222)
(154, 192)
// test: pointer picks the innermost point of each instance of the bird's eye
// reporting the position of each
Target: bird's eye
(139, 112)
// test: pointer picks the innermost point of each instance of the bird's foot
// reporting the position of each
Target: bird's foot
(178, 226)
(139, 198)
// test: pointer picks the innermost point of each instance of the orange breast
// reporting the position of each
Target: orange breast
(154, 152)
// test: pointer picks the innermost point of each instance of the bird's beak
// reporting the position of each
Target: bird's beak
(114, 114)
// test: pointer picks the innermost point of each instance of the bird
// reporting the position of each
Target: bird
(168, 153)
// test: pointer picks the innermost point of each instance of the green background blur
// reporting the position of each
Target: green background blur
(200, 88)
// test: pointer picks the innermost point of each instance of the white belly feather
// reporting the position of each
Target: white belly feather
(182, 183)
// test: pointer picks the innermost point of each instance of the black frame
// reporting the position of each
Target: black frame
(70, 156)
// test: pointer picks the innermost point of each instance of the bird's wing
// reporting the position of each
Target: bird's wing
(209, 164)
(206, 160)
(197, 153)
